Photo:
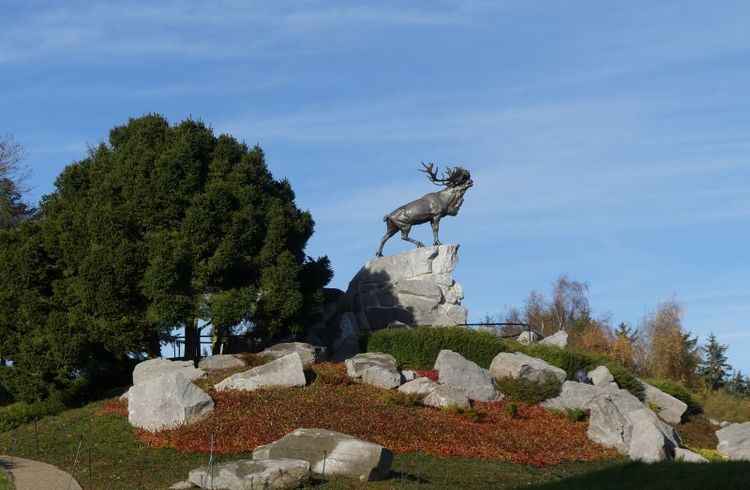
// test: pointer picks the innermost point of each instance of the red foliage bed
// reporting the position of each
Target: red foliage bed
(242, 421)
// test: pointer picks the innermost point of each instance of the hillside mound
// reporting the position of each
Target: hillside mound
(241, 421)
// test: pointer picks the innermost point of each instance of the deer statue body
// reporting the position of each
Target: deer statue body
(430, 207)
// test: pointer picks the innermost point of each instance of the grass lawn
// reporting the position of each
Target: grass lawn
(103, 452)
(5, 481)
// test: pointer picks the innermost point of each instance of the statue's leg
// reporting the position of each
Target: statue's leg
(405, 236)
(435, 231)
(390, 231)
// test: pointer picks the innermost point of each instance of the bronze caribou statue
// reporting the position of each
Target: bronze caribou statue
(430, 207)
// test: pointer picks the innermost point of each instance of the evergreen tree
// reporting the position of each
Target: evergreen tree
(626, 332)
(714, 367)
(165, 227)
(739, 384)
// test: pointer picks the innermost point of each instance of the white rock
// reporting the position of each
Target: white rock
(221, 361)
(310, 354)
(455, 370)
(153, 368)
(331, 453)
(284, 372)
(419, 386)
(734, 442)
(408, 375)
(413, 288)
(527, 337)
(356, 366)
(182, 485)
(167, 401)
(247, 473)
(574, 395)
(381, 377)
(619, 420)
(517, 365)
(686, 456)
(446, 396)
(558, 339)
(601, 376)
(648, 441)
(670, 408)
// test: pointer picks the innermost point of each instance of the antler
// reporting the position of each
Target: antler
(432, 174)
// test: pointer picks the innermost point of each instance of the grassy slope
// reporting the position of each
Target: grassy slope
(119, 461)
(5, 482)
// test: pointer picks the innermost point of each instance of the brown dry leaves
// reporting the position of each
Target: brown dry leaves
(242, 421)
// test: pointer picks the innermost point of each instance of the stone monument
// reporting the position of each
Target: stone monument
(412, 288)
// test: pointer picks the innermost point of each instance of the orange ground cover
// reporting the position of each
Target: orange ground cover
(242, 421)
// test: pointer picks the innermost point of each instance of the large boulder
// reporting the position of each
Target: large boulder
(284, 372)
(249, 473)
(310, 354)
(455, 370)
(520, 366)
(356, 365)
(557, 339)
(154, 368)
(331, 453)
(167, 401)
(420, 387)
(382, 377)
(669, 408)
(619, 420)
(734, 441)
(447, 396)
(574, 395)
(221, 361)
(413, 288)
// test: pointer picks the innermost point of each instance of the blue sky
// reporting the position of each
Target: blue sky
(608, 140)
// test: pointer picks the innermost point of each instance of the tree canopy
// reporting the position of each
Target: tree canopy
(164, 227)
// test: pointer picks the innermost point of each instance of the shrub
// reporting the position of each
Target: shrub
(721, 405)
(526, 391)
(571, 361)
(512, 410)
(678, 391)
(396, 398)
(467, 413)
(21, 413)
(417, 348)
(331, 374)
(576, 414)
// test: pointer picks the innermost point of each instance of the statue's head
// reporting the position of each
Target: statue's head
(457, 177)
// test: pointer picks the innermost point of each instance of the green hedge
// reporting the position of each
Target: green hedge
(21, 413)
(526, 391)
(417, 348)
(678, 391)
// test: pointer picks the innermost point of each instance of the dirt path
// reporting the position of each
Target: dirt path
(34, 475)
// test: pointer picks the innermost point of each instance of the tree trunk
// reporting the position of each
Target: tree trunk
(154, 345)
(192, 340)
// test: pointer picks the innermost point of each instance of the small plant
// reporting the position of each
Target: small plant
(331, 374)
(512, 410)
(468, 413)
(576, 414)
(526, 391)
(396, 398)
